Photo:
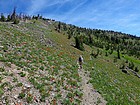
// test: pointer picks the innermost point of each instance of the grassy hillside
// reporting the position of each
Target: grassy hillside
(39, 64)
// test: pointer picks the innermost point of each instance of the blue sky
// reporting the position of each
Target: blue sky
(117, 15)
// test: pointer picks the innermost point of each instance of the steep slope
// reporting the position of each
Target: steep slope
(35, 69)
(38, 65)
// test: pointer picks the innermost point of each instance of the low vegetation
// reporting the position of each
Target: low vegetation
(38, 62)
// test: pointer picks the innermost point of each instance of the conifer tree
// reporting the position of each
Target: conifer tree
(118, 52)
(79, 42)
(59, 27)
(13, 16)
(90, 39)
(3, 19)
(8, 18)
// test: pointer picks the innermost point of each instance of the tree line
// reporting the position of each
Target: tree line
(107, 39)
(16, 18)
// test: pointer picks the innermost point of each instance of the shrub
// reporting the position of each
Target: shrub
(1, 92)
(19, 84)
(42, 98)
(22, 74)
(95, 54)
(136, 69)
(16, 21)
(106, 54)
(122, 66)
(115, 60)
(42, 67)
(66, 101)
(29, 98)
(131, 65)
(111, 51)
(21, 95)
(2, 69)
(126, 61)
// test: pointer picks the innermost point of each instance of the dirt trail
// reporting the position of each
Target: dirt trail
(90, 95)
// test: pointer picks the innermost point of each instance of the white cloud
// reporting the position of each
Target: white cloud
(111, 14)
(38, 5)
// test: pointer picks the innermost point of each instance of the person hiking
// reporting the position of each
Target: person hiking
(80, 60)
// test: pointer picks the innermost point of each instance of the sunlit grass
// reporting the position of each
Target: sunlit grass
(53, 70)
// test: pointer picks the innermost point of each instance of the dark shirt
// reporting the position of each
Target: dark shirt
(80, 59)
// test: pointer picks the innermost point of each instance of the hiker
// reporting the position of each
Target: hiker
(80, 60)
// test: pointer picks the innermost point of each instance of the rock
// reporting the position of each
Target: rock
(15, 96)
(1, 46)
(19, 101)
(62, 66)
(115, 81)
(4, 102)
(53, 94)
(92, 68)
(36, 100)
(27, 86)
(12, 104)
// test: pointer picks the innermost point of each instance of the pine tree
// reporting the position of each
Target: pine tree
(8, 18)
(3, 19)
(13, 16)
(118, 52)
(70, 33)
(79, 42)
(90, 39)
(59, 27)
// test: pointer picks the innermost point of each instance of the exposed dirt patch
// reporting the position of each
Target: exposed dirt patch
(90, 95)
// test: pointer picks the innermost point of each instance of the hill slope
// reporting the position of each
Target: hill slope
(39, 65)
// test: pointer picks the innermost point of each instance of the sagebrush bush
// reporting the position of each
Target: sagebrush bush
(16, 21)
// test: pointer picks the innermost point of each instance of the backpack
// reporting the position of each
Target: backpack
(80, 59)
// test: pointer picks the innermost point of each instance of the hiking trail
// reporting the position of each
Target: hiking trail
(90, 95)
